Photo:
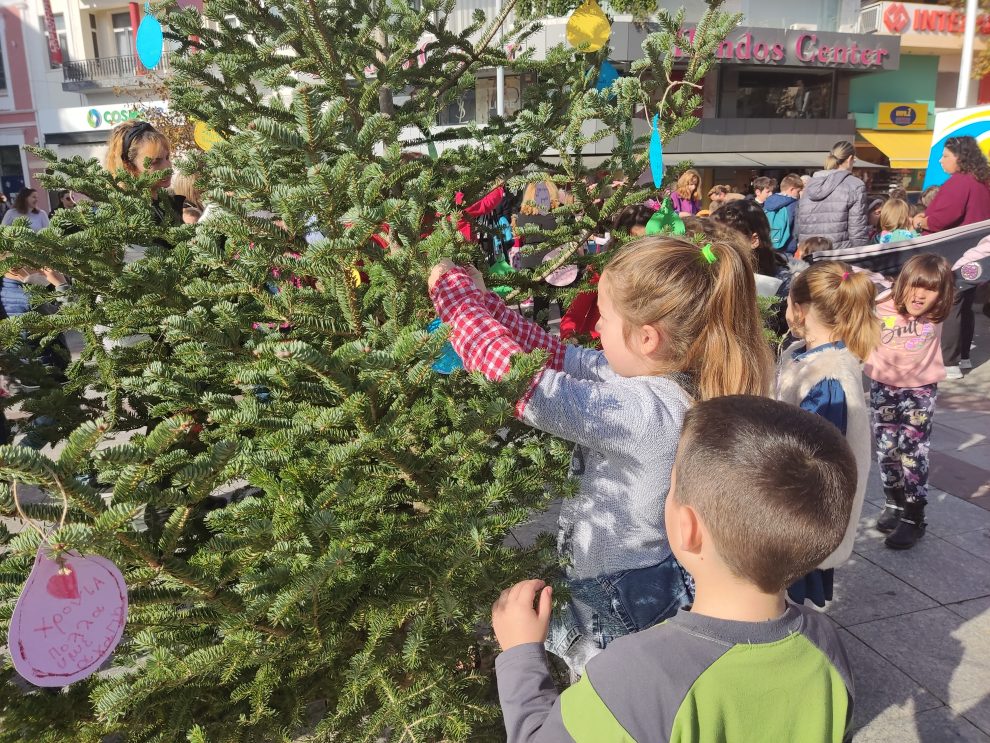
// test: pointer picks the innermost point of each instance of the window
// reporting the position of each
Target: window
(63, 38)
(95, 35)
(460, 111)
(123, 34)
(480, 104)
(3, 75)
(769, 94)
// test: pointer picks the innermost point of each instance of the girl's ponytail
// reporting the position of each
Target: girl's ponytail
(703, 299)
(844, 301)
(730, 350)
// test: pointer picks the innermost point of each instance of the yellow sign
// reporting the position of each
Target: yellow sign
(588, 25)
(901, 116)
(205, 136)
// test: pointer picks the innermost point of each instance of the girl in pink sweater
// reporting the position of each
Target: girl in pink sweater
(906, 368)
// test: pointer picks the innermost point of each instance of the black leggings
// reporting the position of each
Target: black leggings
(959, 328)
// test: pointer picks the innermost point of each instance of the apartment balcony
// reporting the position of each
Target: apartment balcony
(80, 76)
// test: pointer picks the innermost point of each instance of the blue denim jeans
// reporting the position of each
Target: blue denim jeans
(610, 606)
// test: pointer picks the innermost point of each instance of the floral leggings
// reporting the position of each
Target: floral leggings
(902, 427)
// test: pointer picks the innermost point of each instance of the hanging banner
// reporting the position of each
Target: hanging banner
(54, 48)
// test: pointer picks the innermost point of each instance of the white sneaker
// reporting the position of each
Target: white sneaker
(965, 364)
(953, 372)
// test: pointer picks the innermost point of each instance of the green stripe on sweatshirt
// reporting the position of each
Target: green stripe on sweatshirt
(587, 718)
(769, 682)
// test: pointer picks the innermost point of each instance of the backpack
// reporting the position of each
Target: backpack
(780, 227)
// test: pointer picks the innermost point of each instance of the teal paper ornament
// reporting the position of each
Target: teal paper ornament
(448, 361)
(607, 74)
(150, 41)
(656, 153)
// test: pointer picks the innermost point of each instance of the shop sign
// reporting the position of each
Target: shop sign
(902, 116)
(796, 48)
(912, 18)
(85, 118)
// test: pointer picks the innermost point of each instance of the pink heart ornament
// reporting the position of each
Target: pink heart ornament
(67, 622)
(63, 585)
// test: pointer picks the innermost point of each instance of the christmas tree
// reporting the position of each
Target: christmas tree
(282, 343)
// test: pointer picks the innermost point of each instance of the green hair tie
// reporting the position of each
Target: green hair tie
(709, 254)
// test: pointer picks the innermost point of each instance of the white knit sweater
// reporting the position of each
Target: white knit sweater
(796, 379)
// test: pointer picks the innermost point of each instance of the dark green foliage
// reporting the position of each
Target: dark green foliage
(347, 597)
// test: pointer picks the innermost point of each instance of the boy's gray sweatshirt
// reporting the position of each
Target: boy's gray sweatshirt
(626, 430)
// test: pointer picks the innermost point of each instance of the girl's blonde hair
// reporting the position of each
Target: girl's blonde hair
(840, 152)
(184, 185)
(688, 178)
(895, 214)
(844, 301)
(706, 311)
(529, 202)
(927, 271)
(116, 157)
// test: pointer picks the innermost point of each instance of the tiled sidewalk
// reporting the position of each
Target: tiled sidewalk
(917, 623)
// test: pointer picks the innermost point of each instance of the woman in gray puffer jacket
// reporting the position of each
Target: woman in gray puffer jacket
(833, 204)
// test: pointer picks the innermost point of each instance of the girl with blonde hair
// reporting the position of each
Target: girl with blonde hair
(137, 147)
(895, 222)
(830, 308)
(687, 193)
(679, 323)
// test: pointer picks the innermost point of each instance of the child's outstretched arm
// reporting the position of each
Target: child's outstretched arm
(575, 407)
(526, 691)
(483, 343)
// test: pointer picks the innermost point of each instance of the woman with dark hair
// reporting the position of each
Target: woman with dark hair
(63, 200)
(963, 199)
(26, 207)
(748, 218)
(833, 204)
(773, 270)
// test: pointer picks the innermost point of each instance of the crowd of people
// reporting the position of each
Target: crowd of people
(720, 478)
(689, 515)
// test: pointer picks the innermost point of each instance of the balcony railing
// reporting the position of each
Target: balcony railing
(105, 71)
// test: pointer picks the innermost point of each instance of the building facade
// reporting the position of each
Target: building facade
(895, 110)
(66, 90)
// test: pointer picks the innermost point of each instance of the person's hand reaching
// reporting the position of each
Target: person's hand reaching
(476, 277)
(439, 270)
(521, 614)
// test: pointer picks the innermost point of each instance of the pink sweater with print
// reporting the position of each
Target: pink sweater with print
(910, 350)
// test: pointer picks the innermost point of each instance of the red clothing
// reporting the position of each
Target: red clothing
(961, 200)
(485, 205)
(582, 316)
(485, 333)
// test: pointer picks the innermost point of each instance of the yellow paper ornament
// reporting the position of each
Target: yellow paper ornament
(205, 136)
(588, 25)
(356, 277)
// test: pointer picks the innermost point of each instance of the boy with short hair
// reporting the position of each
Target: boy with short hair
(781, 209)
(763, 188)
(760, 495)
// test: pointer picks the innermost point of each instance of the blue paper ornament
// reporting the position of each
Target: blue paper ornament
(656, 153)
(607, 74)
(150, 41)
(448, 361)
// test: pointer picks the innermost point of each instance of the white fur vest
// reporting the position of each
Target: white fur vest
(796, 379)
